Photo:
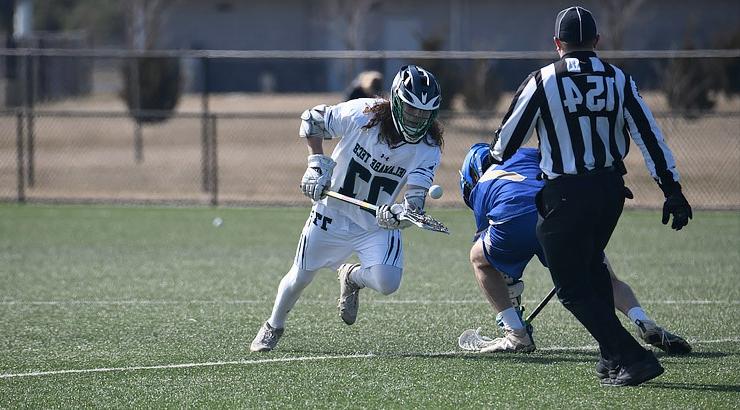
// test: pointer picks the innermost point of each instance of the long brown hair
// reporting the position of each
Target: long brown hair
(388, 133)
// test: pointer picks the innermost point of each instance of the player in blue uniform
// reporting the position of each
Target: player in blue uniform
(503, 200)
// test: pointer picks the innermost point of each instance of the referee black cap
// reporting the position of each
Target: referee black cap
(575, 25)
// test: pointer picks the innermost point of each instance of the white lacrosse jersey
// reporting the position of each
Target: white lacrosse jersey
(368, 169)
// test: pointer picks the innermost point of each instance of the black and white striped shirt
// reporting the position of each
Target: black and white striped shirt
(583, 108)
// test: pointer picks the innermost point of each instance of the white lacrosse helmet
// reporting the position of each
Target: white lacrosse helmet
(415, 101)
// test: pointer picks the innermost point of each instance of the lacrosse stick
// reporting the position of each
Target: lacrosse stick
(541, 306)
(423, 221)
(473, 341)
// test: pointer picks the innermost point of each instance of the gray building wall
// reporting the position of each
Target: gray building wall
(401, 25)
(246, 25)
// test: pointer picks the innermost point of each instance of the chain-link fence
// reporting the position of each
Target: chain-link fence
(242, 148)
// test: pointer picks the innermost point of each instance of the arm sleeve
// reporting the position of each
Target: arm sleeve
(520, 120)
(423, 175)
(645, 132)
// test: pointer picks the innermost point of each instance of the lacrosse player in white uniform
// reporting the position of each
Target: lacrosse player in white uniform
(385, 146)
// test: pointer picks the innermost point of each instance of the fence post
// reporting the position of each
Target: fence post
(31, 137)
(214, 161)
(138, 142)
(135, 86)
(19, 156)
(32, 92)
(205, 140)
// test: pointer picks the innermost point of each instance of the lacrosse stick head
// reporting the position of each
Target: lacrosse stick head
(424, 221)
(472, 341)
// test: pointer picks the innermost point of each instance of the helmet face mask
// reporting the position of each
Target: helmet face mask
(415, 101)
(476, 162)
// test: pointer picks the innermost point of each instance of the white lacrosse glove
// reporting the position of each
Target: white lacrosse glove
(317, 178)
(391, 216)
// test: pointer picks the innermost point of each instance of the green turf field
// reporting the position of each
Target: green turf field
(155, 307)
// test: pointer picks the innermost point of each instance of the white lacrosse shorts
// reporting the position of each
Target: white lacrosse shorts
(329, 239)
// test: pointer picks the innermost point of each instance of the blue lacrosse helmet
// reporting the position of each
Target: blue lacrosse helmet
(476, 162)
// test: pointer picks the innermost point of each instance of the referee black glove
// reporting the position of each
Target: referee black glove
(676, 204)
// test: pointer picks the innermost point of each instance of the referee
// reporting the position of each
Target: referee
(583, 109)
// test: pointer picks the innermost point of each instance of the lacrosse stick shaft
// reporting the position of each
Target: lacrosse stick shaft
(424, 222)
(351, 200)
(541, 306)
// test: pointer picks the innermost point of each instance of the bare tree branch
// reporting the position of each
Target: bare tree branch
(348, 20)
(144, 19)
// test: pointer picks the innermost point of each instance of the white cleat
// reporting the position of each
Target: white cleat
(514, 340)
(349, 293)
(266, 339)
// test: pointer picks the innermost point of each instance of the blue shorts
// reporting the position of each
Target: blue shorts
(510, 246)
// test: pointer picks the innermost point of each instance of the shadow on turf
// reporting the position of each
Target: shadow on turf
(691, 386)
(547, 357)
(540, 357)
(696, 355)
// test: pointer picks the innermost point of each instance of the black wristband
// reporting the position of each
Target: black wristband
(669, 187)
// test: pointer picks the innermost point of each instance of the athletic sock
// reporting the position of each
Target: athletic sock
(356, 277)
(284, 301)
(290, 289)
(636, 313)
(511, 319)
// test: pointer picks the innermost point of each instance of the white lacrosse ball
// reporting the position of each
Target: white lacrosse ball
(217, 222)
(435, 191)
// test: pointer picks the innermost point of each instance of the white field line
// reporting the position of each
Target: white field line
(319, 301)
(304, 359)
(465, 302)
(184, 365)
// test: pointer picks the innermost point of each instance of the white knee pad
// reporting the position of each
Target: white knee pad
(390, 278)
(384, 279)
(516, 288)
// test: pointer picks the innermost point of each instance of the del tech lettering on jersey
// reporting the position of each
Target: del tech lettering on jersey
(361, 153)
(387, 169)
(377, 166)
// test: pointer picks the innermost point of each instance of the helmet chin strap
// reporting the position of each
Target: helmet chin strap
(395, 124)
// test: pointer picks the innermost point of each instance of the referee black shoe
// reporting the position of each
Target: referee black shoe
(605, 370)
(635, 373)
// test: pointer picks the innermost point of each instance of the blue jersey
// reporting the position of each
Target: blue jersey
(507, 190)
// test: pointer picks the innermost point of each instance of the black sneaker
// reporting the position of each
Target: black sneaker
(605, 370)
(655, 335)
(636, 373)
